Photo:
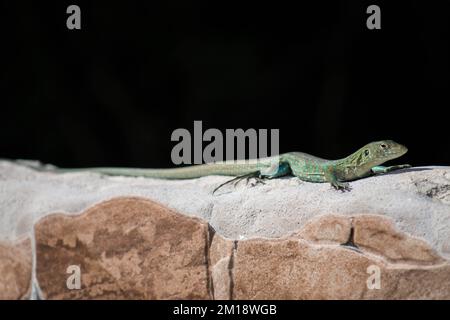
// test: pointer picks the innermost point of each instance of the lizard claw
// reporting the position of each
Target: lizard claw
(343, 186)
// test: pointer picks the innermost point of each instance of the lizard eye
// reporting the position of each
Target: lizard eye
(383, 146)
(366, 152)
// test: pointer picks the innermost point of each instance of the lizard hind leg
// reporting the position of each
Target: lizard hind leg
(274, 171)
(255, 175)
(258, 180)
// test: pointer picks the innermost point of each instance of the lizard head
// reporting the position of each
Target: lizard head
(361, 162)
(381, 151)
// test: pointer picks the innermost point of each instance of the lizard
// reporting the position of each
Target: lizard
(364, 162)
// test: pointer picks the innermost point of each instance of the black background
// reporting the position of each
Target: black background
(163, 309)
(111, 93)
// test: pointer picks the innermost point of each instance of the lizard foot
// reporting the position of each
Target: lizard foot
(258, 180)
(236, 180)
(397, 167)
(342, 186)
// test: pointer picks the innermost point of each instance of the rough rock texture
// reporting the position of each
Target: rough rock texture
(284, 240)
(126, 249)
(15, 270)
(315, 265)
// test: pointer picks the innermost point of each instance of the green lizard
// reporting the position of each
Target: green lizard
(362, 163)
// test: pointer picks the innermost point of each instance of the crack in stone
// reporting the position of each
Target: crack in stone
(350, 244)
(209, 279)
(36, 293)
(231, 269)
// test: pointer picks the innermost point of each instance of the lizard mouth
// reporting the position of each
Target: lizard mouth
(396, 152)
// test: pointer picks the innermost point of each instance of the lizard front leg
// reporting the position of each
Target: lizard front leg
(383, 169)
(330, 176)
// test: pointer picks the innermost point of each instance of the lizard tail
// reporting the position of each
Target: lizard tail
(189, 172)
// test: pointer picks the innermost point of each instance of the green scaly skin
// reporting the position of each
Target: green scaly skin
(362, 163)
